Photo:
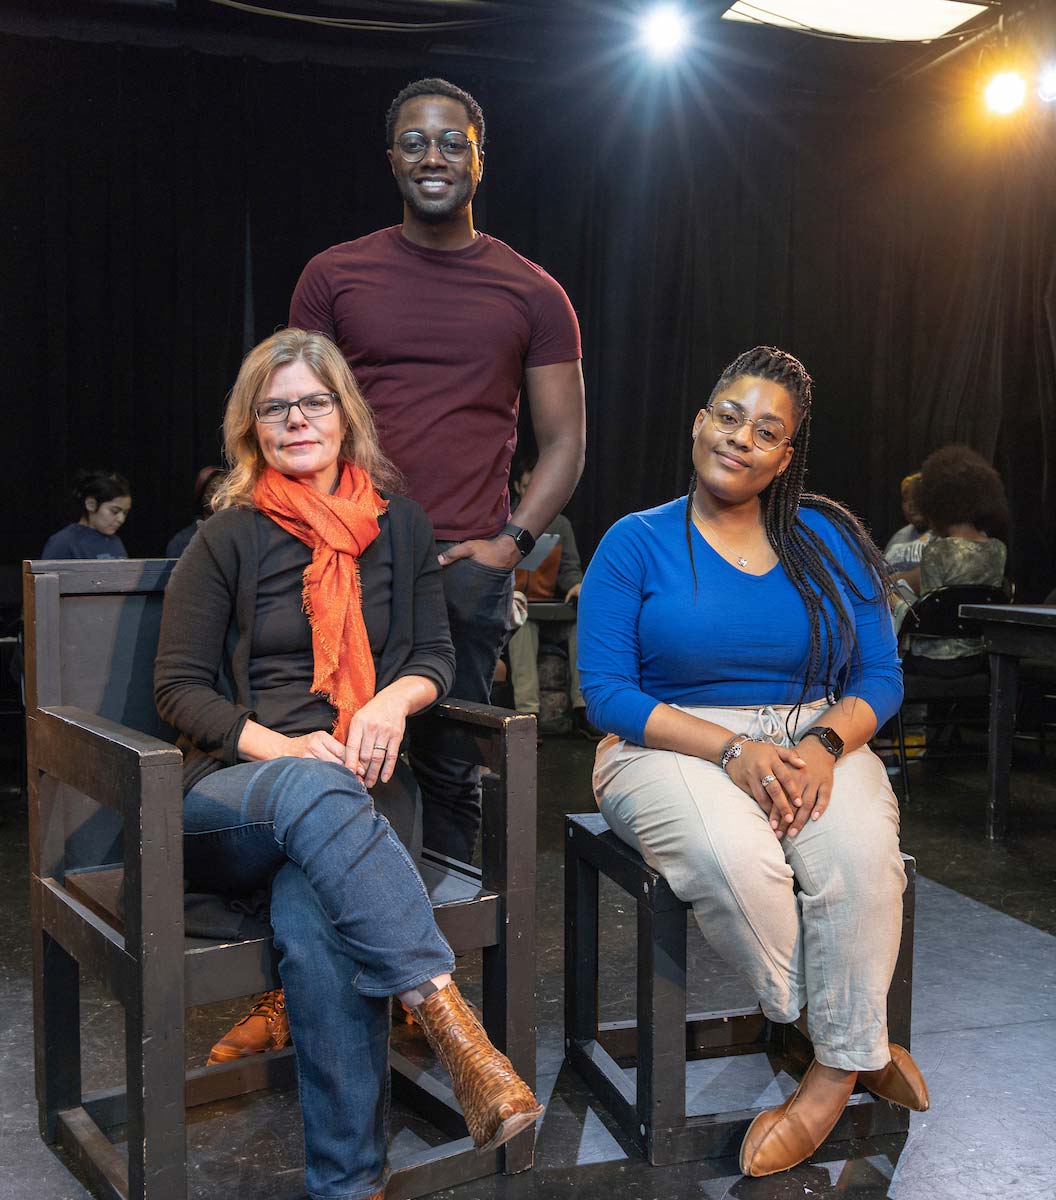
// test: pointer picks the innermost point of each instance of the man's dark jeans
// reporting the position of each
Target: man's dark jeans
(479, 600)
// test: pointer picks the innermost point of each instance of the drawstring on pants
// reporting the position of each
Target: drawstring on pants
(771, 727)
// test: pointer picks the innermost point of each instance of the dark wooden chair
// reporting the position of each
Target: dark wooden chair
(651, 1111)
(106, 860)
(937, 615)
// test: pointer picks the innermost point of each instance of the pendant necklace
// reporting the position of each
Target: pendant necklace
(742, 562)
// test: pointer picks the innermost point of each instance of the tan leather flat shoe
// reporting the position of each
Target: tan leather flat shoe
(781, 1137)
(264, 1027)
(496, 1102)
(900, 1082)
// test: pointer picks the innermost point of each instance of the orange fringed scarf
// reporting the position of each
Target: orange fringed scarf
(338, 527)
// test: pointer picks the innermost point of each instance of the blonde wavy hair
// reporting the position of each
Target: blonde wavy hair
(241, 446)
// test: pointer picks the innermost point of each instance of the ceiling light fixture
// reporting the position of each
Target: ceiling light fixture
(665, 31)
(1005, 92)
(884, 20)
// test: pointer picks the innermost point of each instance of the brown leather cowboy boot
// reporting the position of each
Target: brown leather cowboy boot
(264, 1027)
(496, 1102)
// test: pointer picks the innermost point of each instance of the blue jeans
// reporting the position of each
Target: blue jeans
(353, 925)
(479, 603)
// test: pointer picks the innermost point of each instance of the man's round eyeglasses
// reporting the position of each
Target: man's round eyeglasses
(768, 433)
(318, 404)
(413, 147)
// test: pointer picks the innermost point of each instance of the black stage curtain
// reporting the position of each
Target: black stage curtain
(158, 206)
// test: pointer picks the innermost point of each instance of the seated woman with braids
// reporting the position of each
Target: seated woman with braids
(303, 625)
(715, 634)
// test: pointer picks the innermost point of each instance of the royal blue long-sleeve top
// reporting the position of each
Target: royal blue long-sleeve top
(647, 636)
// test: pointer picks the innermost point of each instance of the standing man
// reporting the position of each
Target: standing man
(444, 327)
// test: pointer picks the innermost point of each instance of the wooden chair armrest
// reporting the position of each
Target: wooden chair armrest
(99, 757)
(477, 733)
(486, 716)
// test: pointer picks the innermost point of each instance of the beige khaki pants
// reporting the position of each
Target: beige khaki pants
(832, 946)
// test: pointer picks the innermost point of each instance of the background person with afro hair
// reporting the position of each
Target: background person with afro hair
(963, 499)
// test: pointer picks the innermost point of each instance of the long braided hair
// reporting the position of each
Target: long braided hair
(807, 560)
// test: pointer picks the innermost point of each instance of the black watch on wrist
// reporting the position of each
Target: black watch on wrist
(524, 540)
(829, 738)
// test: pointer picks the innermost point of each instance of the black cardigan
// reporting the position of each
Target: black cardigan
(201, 674)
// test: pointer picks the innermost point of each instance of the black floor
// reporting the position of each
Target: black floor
(984, 1031)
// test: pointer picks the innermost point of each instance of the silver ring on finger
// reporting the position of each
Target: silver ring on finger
(383, 749)
(767, 780)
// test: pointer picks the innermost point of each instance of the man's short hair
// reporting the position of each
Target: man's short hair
(435, 87)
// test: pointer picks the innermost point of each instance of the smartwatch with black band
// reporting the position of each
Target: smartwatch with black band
(829, 738)
(523, 539)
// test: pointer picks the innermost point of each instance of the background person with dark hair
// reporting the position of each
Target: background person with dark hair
(206, 484)
(104, 501)
(963, 499)
(444, 327)
(905, 546)
(715, 634)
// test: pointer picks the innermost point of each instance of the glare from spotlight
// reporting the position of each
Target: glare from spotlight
(1047, 84)
(665, 31)
(1006, 92)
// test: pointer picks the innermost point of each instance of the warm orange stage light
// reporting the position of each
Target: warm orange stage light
(1005, 93)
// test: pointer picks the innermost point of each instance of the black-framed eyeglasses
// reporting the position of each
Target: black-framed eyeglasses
(318, 404)
(768, 433)
(454, 146)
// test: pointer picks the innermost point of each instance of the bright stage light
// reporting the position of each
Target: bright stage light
(665, 31)
(1006, 92)
(898, 20)
(1047, 84)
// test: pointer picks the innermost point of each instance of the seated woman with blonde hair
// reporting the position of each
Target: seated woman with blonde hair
(302, 627)
(715, 634)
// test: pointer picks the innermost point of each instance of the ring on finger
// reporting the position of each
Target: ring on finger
(383, 749)
(767, 780)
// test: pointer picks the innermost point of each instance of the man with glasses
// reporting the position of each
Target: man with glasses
(444, 327)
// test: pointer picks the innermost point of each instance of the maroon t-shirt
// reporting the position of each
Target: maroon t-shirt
(439, 341)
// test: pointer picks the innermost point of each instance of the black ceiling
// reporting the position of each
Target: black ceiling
(555, 40)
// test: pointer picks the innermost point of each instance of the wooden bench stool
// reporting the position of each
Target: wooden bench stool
(652, 1113)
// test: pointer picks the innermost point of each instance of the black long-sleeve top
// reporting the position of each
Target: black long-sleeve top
(234, 642)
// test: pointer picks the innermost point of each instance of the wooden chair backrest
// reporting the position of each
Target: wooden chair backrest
(91, 635)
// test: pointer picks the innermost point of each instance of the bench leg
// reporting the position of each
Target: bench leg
(661, 1021)
(581, 945)
(157, 1166)
(57, 1030)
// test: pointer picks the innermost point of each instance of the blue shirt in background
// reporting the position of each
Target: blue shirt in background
(646, 637)
(82, 541)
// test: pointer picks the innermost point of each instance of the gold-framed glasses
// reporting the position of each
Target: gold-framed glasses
(768, 433)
